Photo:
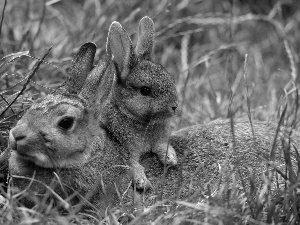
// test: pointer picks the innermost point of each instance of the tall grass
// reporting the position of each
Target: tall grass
(203, 44)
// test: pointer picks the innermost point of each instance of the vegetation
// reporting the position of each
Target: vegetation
(230, 59)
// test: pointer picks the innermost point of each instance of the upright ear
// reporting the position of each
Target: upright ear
(82, 64)
(145, 41)
(120, 47)
(98, 83)
(108, 48)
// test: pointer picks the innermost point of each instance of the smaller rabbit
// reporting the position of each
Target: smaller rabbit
(142, 98)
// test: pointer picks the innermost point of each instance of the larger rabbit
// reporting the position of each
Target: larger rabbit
(142, 99)
(59, 134)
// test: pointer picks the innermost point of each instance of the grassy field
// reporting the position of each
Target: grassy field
(226, 56)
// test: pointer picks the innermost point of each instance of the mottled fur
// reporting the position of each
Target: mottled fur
(41, 148)
(138, 120)
(201, 151)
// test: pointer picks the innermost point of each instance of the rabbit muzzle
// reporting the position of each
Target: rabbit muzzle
(174, 107)
(170, 111)
(163, 115)
(25, 143)
(18, 137)
(12, 141)
(18, 143)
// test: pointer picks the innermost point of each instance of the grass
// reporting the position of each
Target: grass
(228, 58)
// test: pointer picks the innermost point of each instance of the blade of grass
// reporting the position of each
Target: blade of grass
(2, 16)
(272, 152)
(11, 57)
(30, 75)
(288, 162)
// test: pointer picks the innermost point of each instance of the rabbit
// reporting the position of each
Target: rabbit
(42, 151)
(59, 135)
(142, 99)
(200, 149)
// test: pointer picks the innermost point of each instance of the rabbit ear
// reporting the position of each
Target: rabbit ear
(145, 41)
(82, 64)
(120, 46)
(108, 48)
(96, 79)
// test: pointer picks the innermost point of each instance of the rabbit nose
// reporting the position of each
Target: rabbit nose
(14, 137)
(174, 107)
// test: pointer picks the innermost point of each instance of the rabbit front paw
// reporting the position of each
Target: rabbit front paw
(139, 178)
(170, 158)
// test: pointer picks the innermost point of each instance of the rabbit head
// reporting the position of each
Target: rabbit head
(57, 130)
(143, 90)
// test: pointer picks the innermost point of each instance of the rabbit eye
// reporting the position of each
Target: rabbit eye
(145, 91)
(66, 123)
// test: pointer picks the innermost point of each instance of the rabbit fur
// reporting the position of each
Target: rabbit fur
(59, 135)
(83, 158)
(142, 101)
